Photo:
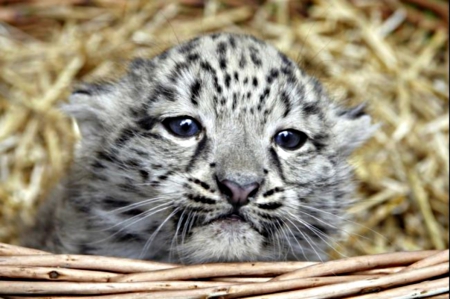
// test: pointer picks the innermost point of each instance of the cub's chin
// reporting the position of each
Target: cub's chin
(224, 240)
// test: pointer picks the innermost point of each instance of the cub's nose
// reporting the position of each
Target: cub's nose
(236, 194)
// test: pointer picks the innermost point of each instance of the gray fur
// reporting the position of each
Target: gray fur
(129, 192)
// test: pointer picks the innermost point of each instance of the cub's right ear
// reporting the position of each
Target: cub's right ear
(90, 105)
(353, 127)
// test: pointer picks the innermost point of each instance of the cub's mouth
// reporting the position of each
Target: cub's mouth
(234, 221)
(233, 216)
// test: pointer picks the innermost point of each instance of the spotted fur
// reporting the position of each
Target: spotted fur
(137, 191)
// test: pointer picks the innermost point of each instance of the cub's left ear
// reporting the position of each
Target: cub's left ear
(352, 128)
(93, 106)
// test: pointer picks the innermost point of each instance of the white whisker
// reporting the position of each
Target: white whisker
(134, 222)
(307, 239)
(152, 237)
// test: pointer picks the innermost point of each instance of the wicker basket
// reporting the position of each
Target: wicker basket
(28, 272)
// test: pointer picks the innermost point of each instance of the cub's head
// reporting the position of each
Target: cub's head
(220, 149)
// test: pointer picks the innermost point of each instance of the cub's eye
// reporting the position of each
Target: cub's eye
(290, 139)
(182, 126)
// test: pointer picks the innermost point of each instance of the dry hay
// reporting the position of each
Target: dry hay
(391, 54)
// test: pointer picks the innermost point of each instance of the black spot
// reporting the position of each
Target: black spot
(125, 237)
(132, 163)
(200, 147)
(165, 54)
(270, 205)
(245, 80)
(151, 135)
(254, 56)
(264, 95)
(126, 135)
(144, 174)
(242, 61)
(215, 36)
(236, 77)
(86, 249)
(232, 41)
(289, 74)
(98, 164)
(106, 156)
(200, 183)
(189, 46)
(287, 103)
(195, 91)
(273, 74)
(201, 199)
(162, 177)
(249, 94)
(221, 48)
(268, 193)
(223, 63)
(134, 112)
(321, 230)
(177, 70)
(217, 85)
(140, 68)
(268, 227)
(227, 80)
(319, 141)
(127, 187)
(193, 57)
(212, 164)
(146, 123)
(101, 177)
(285, 60)
(235, 96)
(132, 212)
(110, 203)
(340, 194)
(81, 207)
(286, 71)
(207, 67)
(276, 161)
(166, 92)
(311, 109)
(255, 82)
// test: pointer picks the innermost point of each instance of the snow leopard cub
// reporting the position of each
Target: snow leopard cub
(220, 149)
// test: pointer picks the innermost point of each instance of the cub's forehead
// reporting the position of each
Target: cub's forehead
(229, 76)
(227, 52)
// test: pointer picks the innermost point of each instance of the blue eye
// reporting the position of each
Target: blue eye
(182, 126)
(290, 139)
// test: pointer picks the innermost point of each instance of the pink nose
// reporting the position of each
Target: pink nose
(236, 194)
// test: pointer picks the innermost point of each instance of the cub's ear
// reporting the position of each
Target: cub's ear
(91, 105)
(352, 128)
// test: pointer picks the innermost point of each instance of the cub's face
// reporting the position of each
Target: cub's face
(220, 149)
